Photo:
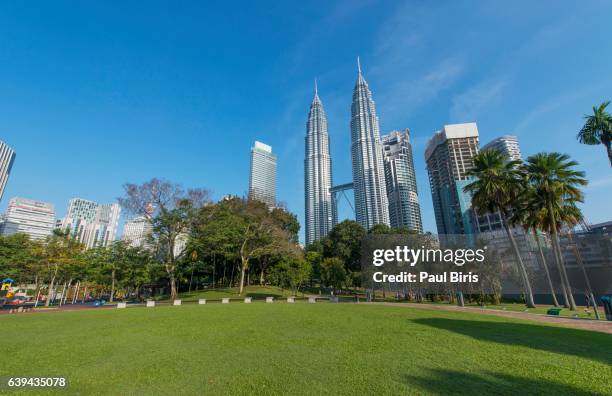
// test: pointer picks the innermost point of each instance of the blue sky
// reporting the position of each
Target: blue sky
(96, 94)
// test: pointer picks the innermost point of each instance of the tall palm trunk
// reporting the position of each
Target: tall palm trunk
(550, 284)
(560, 261)
(522, 270)
(564, 287)
(586, 277)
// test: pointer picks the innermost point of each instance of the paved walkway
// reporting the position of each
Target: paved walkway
(583, 324)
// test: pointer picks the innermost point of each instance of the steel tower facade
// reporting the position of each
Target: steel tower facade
(320, 212)
(371, 205)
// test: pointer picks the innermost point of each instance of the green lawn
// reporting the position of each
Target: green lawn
(303, 348)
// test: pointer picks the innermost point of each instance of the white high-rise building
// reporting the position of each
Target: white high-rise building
(404, 208)
(30, 217)
(137, 231)
(262, 180)
(7, 158)
(371, 205)
(507, 145)
(91, 223)
(319, 209)
(449, 156)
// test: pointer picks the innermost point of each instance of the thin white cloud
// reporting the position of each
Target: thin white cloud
(476, 100)
(600, 182)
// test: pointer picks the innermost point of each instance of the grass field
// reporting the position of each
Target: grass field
(303, 348)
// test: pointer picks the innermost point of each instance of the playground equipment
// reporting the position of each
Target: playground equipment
(7, 292)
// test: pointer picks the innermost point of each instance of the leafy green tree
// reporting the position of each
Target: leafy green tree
(15, 254)
(314, 256)
(60, 253)
(556, 185)
(380, 229)
(498, 184)
(287, 221)
(291, 273)
(246, 229)
(598, 129)
(333, 273)
(529, 212)
(344, 242)
(171, 211)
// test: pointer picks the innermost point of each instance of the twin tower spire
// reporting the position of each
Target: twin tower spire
(371, 206)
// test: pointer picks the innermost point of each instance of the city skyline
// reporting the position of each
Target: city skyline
(138, 99)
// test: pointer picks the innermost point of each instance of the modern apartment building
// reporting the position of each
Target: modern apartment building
(404, 208)
(320, 212)
(507, 145)
(371, 205)
(262, 179)
(137, 231)
(449, 156)
(7, 158)
(91, 223)
(27, 216)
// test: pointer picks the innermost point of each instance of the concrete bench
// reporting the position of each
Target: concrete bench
(202, 301)
(121, 305)
(290, 299)
(269, 299)
(150, 304)
(225, 300)
(248, 300)
(176, 302)
(312, 300)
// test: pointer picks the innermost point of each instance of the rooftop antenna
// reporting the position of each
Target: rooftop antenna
(316, 89)
(358, 65)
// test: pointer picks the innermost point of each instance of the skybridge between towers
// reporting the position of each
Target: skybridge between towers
(341, 189)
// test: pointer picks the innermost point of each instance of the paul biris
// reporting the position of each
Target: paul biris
(409, 277)
(403, 254)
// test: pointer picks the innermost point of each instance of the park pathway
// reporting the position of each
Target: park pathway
(583, 324)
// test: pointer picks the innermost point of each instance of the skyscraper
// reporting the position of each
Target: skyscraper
(449, 156)
(404, 208)
(371, 206)
(7, 158)
(262, 180)
(30, 217)
(91, 223)
(320, 213)
(507, 145)
(136, 231)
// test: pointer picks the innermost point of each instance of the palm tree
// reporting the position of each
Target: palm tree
(497, 185)
(598, 129)
(529, 215)
(572, 216)
(556, 187)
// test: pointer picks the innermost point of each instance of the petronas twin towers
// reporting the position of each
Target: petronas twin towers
(371, 206)
(320, 212)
